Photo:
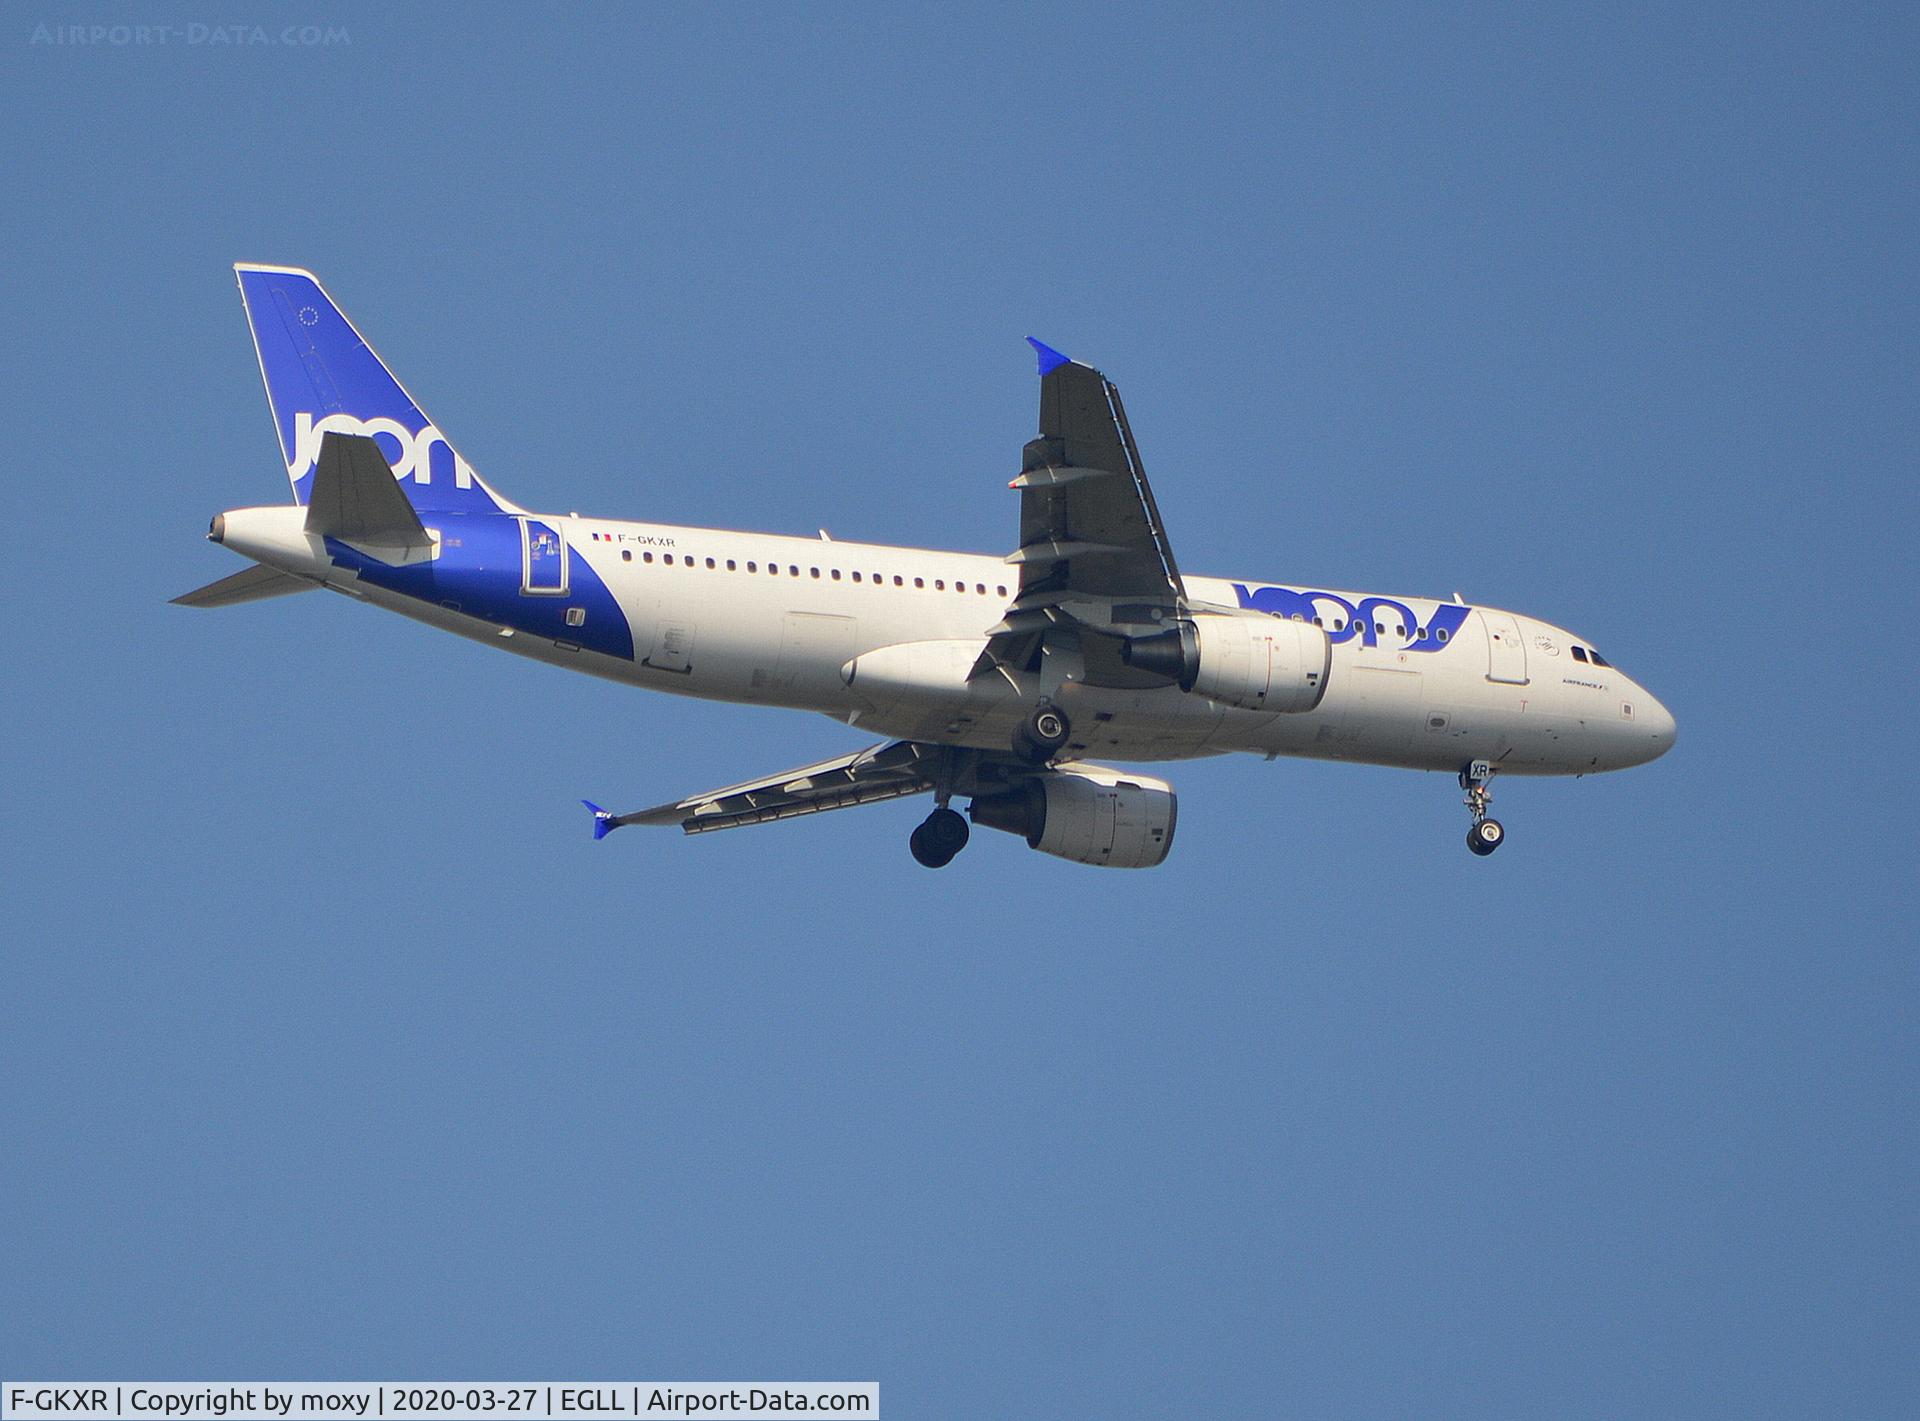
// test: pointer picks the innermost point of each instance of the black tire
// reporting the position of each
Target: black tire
(946, 832)
(1042, 735)
(1486, 836)
(920, 845)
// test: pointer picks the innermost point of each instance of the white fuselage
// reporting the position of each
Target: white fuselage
(711, 617)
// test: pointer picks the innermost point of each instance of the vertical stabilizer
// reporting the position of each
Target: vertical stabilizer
(322, 378)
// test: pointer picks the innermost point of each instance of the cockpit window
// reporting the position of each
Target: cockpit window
(1599, 660)
(1579, 653)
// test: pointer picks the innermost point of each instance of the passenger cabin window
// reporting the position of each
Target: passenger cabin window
(626, 555)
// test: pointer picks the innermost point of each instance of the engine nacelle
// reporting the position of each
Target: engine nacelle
(1088, 814)
(1258, 663)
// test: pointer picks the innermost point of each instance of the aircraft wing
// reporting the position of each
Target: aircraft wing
(1093, 553)
(889, 771)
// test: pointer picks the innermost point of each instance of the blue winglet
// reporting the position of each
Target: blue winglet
(1050, 359)
(603, 824)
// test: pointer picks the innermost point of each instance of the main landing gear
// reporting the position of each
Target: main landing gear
(938, 838)
(941, 836)
(1487, 834)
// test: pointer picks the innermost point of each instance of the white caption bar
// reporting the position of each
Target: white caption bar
(433, 1401)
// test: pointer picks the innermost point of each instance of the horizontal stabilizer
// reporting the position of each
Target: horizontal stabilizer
(356, 500)
(253, 585)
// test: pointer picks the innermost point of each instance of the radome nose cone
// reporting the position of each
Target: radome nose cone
(1663, 728)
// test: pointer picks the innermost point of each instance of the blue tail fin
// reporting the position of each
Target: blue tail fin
(322, 376)
(603, 824)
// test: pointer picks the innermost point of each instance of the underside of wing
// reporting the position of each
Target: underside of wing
(1094, 560)
(1089, 813)
(880, 772)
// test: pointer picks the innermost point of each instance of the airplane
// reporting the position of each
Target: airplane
(989, 679)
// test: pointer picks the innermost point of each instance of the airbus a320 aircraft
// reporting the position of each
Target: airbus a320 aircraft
(992, 679)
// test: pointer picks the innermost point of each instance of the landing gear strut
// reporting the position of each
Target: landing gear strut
(941, 835)
(1487, 834)
(1042, 734)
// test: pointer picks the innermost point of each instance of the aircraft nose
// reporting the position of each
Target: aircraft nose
(1659, 725)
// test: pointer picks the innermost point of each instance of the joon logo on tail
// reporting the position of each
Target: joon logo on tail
(410, 453)
(1345, 620)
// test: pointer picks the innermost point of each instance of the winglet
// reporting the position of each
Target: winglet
(603, 824)
(1050, 359)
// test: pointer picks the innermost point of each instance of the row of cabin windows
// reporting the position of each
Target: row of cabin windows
(940, 585)
(1379, 628)
(833, 573)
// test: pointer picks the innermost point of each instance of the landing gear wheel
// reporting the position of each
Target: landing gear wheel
(939, 837)
(947, 830)
(1486, 836)
(1042, 735)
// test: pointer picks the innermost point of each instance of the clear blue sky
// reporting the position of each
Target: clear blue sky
(334, 1047)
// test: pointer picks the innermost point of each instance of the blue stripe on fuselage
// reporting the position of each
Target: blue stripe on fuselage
(479, 572)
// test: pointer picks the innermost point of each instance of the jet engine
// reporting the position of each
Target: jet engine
(1087, 814)
(1258, 663)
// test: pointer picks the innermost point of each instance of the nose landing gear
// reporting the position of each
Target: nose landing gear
(1487, 834)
